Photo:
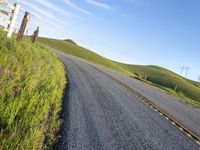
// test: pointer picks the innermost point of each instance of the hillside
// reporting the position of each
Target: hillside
(32, 80)
(155, 75)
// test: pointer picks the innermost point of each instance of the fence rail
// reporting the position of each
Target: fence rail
(6, 13)
(12, 16)
(2, 2)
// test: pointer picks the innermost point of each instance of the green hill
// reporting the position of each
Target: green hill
(155, 75)
(32, 80)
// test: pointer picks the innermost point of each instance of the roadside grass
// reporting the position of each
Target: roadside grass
(195, 83)
(166, 79)
(32, 81)
(173, 84)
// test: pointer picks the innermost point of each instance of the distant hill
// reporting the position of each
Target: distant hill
(158, 76)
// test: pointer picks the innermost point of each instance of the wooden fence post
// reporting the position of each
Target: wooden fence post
(12, 20)
(23, 26)
(35, 35)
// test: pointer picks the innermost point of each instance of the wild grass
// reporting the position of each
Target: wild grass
(32, 80)
(160, 77)
(167, 80)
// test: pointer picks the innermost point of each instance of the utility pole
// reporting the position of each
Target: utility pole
(199, 79)
(23, 26)
(186, 72)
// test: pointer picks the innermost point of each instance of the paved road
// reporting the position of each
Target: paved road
(100, 114)
(182, 112)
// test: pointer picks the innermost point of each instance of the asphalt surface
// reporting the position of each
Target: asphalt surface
(100, 114)
(180, 111)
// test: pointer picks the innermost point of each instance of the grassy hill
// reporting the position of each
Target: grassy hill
(155, 75)
(32, 80)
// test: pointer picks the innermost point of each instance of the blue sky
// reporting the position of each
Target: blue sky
(146, 32)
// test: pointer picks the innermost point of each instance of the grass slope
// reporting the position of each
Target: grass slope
(158, 76)
(169, 81)
(32, 80)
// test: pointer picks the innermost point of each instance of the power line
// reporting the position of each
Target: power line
(186, 71)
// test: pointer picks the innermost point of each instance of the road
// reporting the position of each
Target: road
(99, 114)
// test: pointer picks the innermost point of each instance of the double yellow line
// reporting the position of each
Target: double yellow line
(182, 128)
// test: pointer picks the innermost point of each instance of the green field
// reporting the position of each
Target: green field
(167, 80)
(32, 81)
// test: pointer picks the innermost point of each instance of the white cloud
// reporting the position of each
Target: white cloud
(35, 7)
(99, 4)
(77, 7)
(49, 5)
(45, 19)
(39, 13)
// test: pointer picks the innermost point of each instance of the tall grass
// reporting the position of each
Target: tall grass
(32, 80)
